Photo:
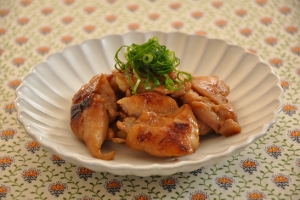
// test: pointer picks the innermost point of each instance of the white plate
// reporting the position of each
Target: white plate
(44, 99)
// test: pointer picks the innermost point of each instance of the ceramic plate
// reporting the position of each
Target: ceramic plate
(44, 99)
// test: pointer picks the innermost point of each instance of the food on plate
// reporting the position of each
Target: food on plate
(151, 64)
(154, 123)
(94, 107)
(207, 98)
(151, 106)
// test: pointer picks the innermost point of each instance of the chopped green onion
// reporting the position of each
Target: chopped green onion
(151, 63)
(147, 58)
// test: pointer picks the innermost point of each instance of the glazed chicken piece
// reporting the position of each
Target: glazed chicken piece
(210, 106)
(151, 101)
(161, 134)
(122, 81)
(211, 87)
(94, 106)
(203, 128)
(203, 110)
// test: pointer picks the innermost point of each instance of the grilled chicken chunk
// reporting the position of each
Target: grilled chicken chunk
(220, 117)
(173, 130)
(163, 134)
(211, 87)
(94, 106)
(151, 101)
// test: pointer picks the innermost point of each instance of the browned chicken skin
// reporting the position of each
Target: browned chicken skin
(94, 107)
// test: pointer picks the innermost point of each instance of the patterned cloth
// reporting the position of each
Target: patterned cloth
(31, 30)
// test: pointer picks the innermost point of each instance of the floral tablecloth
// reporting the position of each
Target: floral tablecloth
(31, 30)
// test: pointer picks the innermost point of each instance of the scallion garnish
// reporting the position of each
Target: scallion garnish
(151, 64)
